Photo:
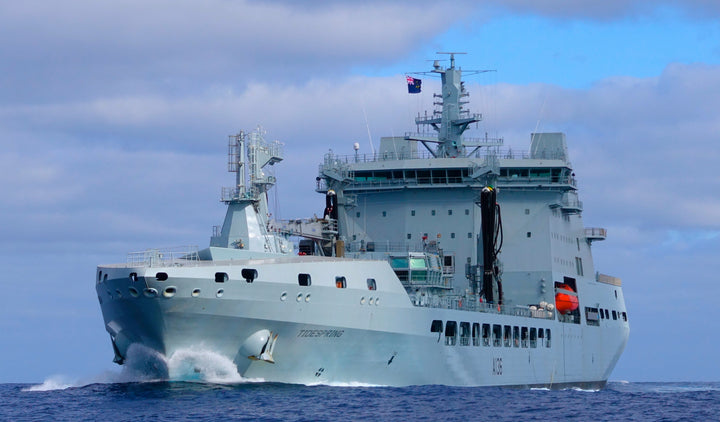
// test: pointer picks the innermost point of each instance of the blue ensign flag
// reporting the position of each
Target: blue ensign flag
(413, 85)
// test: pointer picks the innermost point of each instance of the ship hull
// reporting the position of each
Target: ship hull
(324, 334)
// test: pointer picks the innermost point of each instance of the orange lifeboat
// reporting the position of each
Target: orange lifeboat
(565, 299)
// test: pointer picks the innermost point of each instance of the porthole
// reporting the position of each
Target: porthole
(220, 292)
(299, 297)
(133, 292)
(362, 300)
(118, 292)
(307, 298)
(150, 292)
(377, 301)
(169, 291)
(195, 293)
(283, 296)
(371, 301)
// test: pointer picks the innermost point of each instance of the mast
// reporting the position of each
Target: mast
(453, 120)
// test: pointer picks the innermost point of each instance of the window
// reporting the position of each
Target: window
(507, 336)
(340, 282)
(221, 277)
(452, 235)
(624, 315)
(436, 327)
(449, 212)
(524, 337)
(547, 337)
(249, 274)
(527, 211)
(614, 314)
(529, 234)
(497, 335)
(486, 334)
(591, 316)
(384, 213)
(467, 211)
(158, 276)
(476, 334)
(409, 236)
(304, 279)
(516, 336)
(432, 212)
(541, 337)
(371, 284)
(464, 333)
(533, 337)
(412, 213)
(133, 277)
(357, 214)
(450, 333)
(607, 314)
(469, 235)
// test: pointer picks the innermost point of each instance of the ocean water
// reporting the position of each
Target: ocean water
(198, 384)
(259, 401)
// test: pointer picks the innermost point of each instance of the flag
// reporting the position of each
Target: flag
(413, 85)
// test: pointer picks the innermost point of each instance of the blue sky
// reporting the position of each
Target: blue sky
(113, 125)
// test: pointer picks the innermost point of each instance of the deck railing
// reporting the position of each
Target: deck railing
(176, 255)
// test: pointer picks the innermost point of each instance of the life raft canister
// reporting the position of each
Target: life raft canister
(565, 299)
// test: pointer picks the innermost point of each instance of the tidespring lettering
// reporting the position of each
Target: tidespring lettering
(321, 333)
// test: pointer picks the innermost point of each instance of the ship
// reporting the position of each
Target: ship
(438, 259)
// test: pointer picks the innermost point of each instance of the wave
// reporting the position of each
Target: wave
(143, 364)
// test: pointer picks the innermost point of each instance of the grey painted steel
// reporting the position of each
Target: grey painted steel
(409, 227)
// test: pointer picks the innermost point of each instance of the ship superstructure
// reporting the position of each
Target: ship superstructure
(440, 259)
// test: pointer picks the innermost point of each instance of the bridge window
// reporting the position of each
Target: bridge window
(624, 315)
(524, 337)
(304, 279)
(614, 314)
(467, 211)
(412, 213)
(516, 336)
(541, 337)
(452, 235)
(506, 336)
(384, 213)
(340, 282)
(432, 212)
(449, 212)
(469, 235)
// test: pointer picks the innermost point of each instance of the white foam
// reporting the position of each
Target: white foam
(198, 364)
(55, 382)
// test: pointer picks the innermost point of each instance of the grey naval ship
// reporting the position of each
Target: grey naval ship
(439, 259)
